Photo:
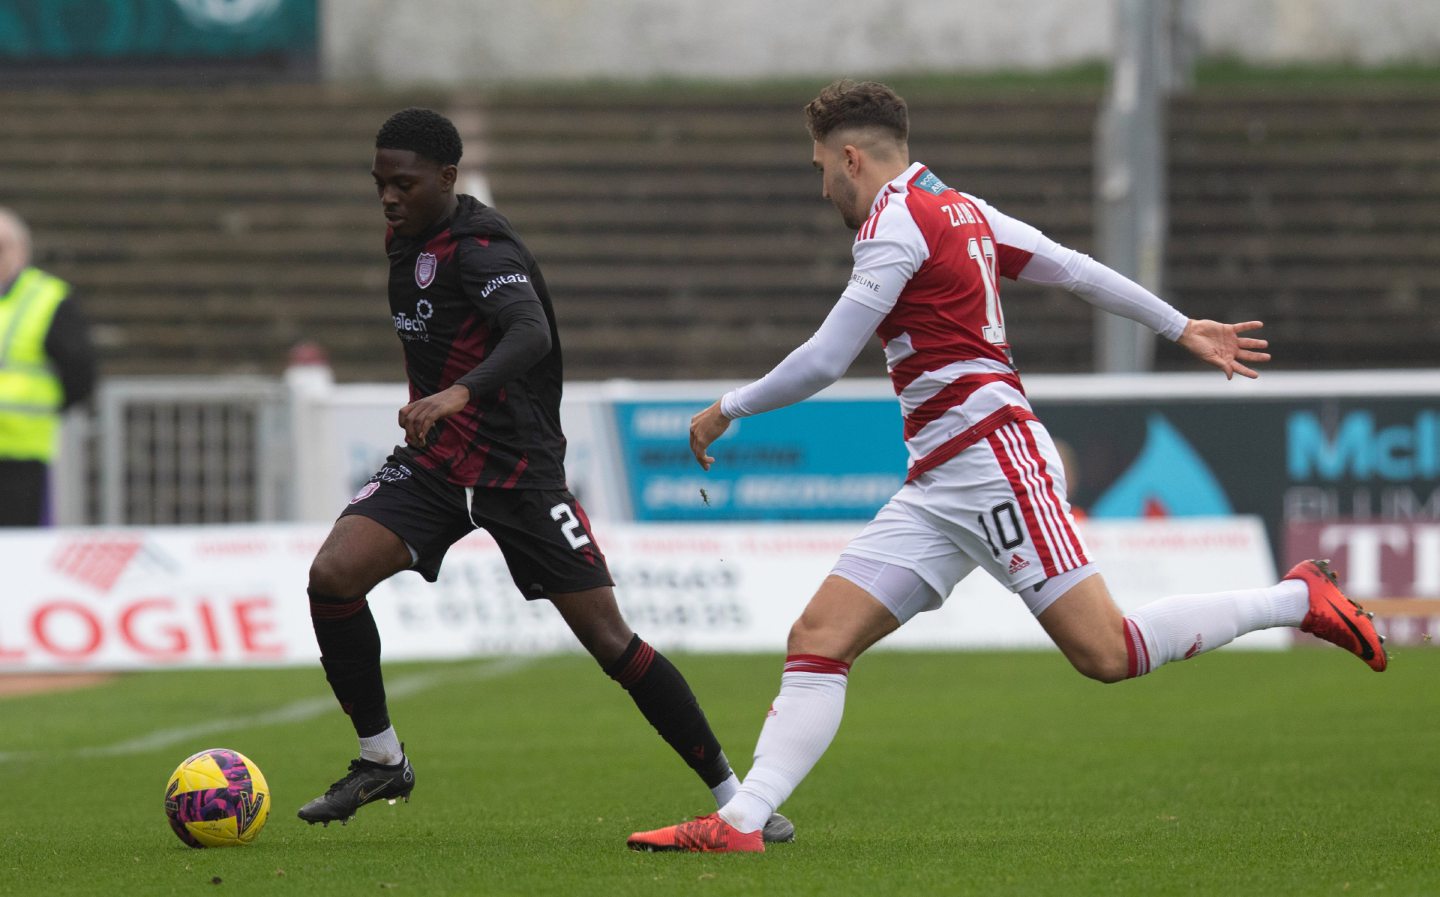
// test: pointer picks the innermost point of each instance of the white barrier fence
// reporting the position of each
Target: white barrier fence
(227, 596)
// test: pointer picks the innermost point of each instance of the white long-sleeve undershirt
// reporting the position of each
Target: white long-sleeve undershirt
(813, 365)
(829, 352)
(1102, 287)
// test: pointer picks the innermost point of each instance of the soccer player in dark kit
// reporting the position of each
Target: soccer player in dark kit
(483, 449)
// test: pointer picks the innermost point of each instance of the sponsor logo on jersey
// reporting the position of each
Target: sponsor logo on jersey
(498, 282)
(930, 183)
(1017, 563)
(425, 267)
(412, 327)
(867, 283)
(392, 473)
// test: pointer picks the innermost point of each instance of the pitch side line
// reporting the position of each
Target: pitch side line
(297, 711)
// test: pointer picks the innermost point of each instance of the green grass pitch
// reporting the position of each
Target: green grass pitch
(965, 773)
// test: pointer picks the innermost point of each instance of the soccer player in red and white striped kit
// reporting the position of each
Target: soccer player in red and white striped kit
(985, 486)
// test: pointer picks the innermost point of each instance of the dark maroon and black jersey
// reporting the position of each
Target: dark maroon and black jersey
(446, 288)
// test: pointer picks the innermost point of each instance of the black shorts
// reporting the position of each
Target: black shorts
(543, 533)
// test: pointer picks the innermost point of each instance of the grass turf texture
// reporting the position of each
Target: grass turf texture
(965, 773)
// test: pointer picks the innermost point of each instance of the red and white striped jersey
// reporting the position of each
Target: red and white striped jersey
(928, 263)
(944, 328)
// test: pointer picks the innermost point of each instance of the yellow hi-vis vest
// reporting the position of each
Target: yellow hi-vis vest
(30, 393)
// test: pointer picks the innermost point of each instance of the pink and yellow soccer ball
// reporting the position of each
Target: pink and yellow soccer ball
(217, 798)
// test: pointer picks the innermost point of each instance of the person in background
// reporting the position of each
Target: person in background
(47, 365)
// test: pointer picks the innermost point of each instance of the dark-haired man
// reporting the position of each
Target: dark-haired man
(483, 449)
(985, 487)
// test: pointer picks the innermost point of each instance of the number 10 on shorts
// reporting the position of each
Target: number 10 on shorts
(1007, 527)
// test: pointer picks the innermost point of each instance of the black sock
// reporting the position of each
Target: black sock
(350, 653)
(665, 698)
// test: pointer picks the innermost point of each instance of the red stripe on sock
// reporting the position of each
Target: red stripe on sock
(814, 663)
(1130, 672)
(331, 611)
(638, 666)
(1137, 656)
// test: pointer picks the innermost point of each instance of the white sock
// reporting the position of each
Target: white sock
(801, 724)
(726, 790)
(1183, 626)
(383, 748)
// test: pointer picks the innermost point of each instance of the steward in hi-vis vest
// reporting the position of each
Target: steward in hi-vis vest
(30, 391)
(47, 364)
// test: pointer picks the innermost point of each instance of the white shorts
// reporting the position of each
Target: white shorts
(999, 504)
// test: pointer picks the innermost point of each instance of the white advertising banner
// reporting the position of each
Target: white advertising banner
(348, 430)
(89, 599)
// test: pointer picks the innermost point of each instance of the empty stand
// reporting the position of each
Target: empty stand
(683, 232)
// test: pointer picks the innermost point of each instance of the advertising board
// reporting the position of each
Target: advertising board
(226, 596)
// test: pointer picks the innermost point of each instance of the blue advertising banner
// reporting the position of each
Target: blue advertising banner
(820, 460)
(94, 30)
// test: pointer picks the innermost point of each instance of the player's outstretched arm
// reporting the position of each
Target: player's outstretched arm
(1222, 345)
(706, 427)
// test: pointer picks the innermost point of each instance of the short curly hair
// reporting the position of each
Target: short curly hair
(850, 104)
(424, 132)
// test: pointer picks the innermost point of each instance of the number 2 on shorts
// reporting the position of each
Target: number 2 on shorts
(569, 525)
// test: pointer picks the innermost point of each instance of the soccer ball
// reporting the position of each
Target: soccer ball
(217, 798)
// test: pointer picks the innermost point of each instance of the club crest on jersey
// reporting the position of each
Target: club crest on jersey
(425, 267)
(365, 492)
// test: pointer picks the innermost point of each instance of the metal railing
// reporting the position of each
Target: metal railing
(177, 451)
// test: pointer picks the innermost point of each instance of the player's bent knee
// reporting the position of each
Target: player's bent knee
(332, 575)
(604, 643)
(357, 555)
(1101, 659)
(1102, 666)
(841, 622)
(799, 638)
(813, 634)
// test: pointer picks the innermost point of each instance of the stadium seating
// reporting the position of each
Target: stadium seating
(681, 230)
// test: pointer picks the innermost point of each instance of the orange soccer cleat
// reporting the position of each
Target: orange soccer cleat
(1337, 619)
(703, 834)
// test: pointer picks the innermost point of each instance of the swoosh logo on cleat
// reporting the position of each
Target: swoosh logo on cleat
(1367, 652)
(365, 796)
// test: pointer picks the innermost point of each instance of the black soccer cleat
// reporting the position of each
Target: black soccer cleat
(365, 783)
(778, 830)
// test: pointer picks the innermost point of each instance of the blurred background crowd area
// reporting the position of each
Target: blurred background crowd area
(198, 169)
